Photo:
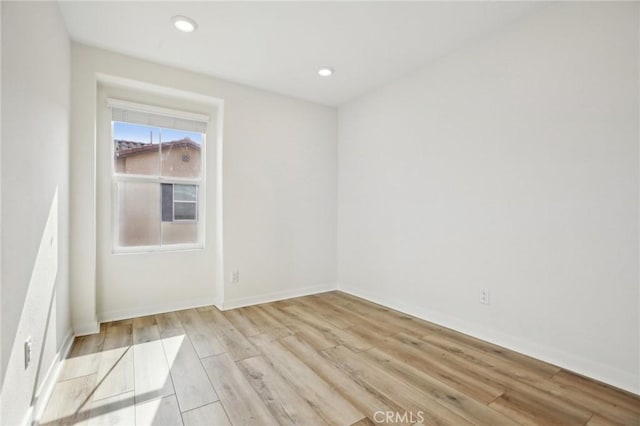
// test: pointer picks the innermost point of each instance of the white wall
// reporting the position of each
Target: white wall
(279, 198)
(510, 165)
(34, 242)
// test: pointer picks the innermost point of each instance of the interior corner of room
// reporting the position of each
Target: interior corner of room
(489, 183)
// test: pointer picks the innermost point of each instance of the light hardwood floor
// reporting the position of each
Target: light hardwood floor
(324, 359)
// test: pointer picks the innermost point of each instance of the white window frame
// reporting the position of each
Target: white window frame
(128, 177)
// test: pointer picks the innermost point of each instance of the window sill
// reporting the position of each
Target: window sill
(157, 249)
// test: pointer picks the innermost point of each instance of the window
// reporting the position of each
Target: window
(179, 202)
(158, 168)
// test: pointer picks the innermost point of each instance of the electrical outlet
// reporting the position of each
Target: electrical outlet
(484, 297)
(235, 277)
(27, 352)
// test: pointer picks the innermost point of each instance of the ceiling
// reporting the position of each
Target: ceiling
(278, 46)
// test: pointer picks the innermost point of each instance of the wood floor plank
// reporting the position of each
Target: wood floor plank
(275, 312)
(540, 367)
(119, 323)
(597, 420)
(334, 334)
(394, 322)
(373, 312)
(234, 342)
(327, 312)
(192, 387)
(486, 360)
(84, 357)
(392, 389)
(613, 405)
(115, 372)
(623, 400)
(364, 421)
(333, 408)
(315, 337)
(203, 338)
(537, 410)
(266, 323)
(409, 350)
(337, 311)
(540, 393)
(151, 370)
(169, 325)
(372, 333)
(616, 413)
(386, 321)
(456, 401)
(284, 403)
(70, 402)
(359, 396)
(520, 380)
(336, 316)
(242, 404)
(159, 412)
(143, 322)
(352, 300)
(241, 322)
(207, 415)
(117, 410)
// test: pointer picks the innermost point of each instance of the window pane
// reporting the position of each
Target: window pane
(184, 211)
(185, 192)
(179, 233)
(136, 148)
(181, 153)
(138, 214)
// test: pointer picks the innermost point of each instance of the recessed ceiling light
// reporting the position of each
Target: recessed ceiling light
(325, 71)
(184, 24)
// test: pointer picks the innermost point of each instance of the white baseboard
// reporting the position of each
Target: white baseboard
(51, 377)
(121, 314)
(274, 297)
(604, 373)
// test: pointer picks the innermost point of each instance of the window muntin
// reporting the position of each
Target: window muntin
(158, 181)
